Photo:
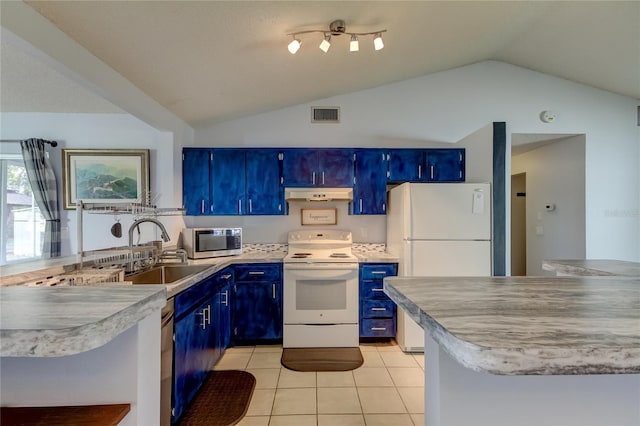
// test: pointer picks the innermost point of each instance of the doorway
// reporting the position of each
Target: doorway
(519, 224)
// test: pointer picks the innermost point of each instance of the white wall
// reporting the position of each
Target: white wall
(448, 106)
(103, 131)
(555, 175)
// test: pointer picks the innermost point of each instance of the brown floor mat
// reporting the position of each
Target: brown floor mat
(321, 359)
(223, 399)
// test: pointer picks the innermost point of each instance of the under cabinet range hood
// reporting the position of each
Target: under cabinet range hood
(318, 194)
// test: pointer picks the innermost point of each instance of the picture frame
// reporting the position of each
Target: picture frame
(319, 216)
(106, 176)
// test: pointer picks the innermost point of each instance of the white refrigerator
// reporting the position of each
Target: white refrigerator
(437, 229)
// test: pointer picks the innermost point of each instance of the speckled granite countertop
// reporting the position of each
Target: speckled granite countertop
(593, 267)
(529, 325)
(58, 321)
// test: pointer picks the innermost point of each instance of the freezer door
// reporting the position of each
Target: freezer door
(450, 211)
(448, 258)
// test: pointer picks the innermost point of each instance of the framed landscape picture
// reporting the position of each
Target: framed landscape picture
(109, 176)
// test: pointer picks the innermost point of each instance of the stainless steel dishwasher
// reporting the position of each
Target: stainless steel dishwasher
(166, 363)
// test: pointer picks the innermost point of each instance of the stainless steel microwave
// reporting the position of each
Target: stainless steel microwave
(200, 243)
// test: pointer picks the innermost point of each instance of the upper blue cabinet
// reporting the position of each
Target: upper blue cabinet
(370, 183)
(228, 182)
(445, 165)
(264, 188)
(242, 181)
(232, 182)
(318, 168)
(426, 165)
(196, 190)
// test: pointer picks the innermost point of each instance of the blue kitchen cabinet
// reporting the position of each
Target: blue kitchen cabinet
(196, 191)
(405, 165)
(318, 168)
(228, 182)
(427, 165)
(370, 183)
(224, 282)
(445, 165)
(202, 332)
(264, 185)
(257, 303)
(377, 312)
(195, 336)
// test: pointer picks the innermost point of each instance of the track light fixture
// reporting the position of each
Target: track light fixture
(337, 28)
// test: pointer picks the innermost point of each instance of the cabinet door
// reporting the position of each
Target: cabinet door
(195, 336)
(228, 182)
(224, 281)
(257, 311)
(445, 165)
(370, 187)
(406, 165)
(264, 191)
(196, 192)
(335, 168)
(299, 166)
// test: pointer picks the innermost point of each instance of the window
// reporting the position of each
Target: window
(22, 226)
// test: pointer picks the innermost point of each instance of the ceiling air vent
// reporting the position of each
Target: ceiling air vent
(325, 114)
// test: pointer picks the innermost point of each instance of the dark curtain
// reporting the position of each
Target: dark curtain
(45, 191)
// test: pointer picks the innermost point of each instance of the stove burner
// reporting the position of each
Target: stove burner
(300, 255)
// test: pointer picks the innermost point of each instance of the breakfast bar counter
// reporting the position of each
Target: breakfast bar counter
(99, 345)
(592, 267)
(527, 350)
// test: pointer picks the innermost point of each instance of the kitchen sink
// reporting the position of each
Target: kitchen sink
(165, 274)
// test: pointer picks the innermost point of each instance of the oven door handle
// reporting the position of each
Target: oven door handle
(306, 266)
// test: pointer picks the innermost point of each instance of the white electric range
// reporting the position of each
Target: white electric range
(320, 295)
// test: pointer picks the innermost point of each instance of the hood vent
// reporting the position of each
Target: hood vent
(325, 114)
(318, 194)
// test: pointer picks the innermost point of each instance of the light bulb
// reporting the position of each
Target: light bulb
(294, 46)
(377, 42)
(325, 44)
(354, 46)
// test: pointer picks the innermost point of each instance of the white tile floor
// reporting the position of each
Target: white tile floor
(387, 390)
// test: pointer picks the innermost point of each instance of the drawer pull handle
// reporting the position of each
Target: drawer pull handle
(378, 272)
(256, 272)
(379, 328)
(378, 309)
(377, 289)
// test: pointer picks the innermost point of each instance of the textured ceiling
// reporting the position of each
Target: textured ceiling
(208, 61)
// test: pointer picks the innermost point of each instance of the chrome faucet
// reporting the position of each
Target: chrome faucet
(134, 225)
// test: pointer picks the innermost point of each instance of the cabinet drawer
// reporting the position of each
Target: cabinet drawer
(258, 272)
(185, 301)
(372, 289)
(377, 308)
(377, 272)
(378, 327)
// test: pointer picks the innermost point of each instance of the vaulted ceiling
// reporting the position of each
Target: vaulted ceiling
(208, 61)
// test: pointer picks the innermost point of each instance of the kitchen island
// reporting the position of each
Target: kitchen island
(592, 267)
(527, 350)
(82, 346)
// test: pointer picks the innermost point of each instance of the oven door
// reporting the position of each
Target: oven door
(320, 293)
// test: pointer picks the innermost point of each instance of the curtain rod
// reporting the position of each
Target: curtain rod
(52, 143)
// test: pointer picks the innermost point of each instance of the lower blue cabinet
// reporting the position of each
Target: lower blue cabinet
(377, 311)
(257, 307)
(201, 334)
(195, 336)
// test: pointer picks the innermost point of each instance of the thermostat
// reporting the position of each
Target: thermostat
(547, 116)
